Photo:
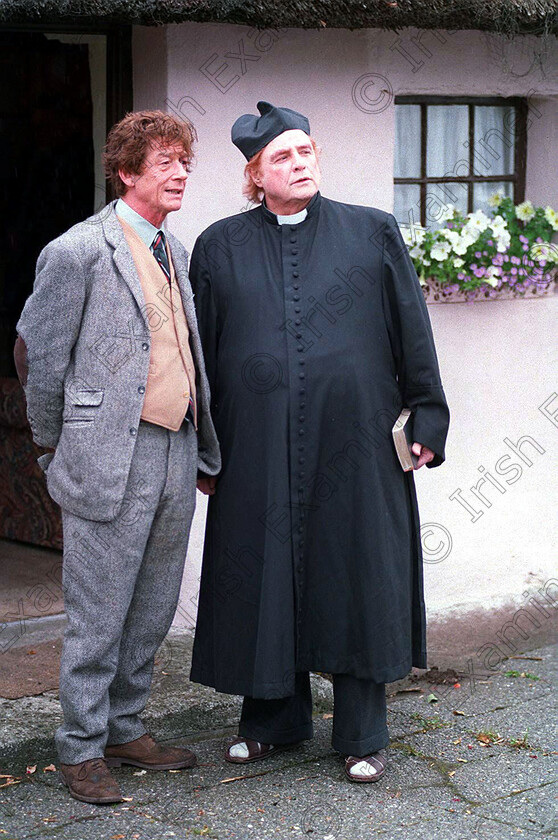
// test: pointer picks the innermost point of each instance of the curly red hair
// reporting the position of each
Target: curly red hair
(130, 140)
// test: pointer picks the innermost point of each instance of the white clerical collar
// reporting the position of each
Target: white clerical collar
(295, 219)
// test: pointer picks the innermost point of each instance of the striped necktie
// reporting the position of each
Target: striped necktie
(160, 254)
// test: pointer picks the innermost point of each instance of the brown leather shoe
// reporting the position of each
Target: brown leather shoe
(91, 782)
(146, 753)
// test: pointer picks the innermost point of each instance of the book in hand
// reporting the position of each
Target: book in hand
(402, 434)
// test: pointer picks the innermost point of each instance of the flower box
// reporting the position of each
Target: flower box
(478, 257)
(435, 292)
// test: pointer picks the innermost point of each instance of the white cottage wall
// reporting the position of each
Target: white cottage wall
(498, 358)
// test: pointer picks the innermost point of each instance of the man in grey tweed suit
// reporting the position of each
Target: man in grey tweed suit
(111, 361)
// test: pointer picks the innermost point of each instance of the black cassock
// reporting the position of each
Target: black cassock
(315, 335)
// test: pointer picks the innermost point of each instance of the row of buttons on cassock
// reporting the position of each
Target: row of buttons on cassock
(301, 417)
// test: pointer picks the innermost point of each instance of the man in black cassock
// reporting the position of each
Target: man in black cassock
(315, 335)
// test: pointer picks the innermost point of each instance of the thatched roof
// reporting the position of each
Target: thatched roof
(538, 17)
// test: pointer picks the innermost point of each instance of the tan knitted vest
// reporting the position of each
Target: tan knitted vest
(172, 376)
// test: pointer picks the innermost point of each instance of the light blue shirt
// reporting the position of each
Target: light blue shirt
(144, 229)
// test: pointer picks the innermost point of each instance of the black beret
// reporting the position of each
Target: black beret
(250, 133)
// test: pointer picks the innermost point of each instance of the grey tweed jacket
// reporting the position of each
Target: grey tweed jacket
(88, 344)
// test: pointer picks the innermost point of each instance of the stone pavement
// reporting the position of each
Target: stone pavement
(469, 758)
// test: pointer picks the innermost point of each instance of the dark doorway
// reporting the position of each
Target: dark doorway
(59, 89)
(47, 172)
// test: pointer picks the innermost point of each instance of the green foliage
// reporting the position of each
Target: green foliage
(512, 248)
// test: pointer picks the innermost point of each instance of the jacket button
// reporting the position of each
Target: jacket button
(133, 432)
(141, 389)
(145, 346)
(296, 274)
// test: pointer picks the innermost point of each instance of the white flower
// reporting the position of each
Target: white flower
(496, 199)
(551, 217)
(440, 251)
(524, 211)
(451, 235)
(416, 252)
(468, 237)
(412, 234)
(503, 241)
(477, 221)
(447, 214)
(544, 252)
(498, 224)
(458, 262)
(491, 276)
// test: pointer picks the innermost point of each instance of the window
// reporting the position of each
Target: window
(456, 151)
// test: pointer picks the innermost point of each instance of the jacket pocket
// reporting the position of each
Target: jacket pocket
(81, 406)
(87, 396)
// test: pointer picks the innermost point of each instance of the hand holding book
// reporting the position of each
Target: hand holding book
(423, 453)
(412, 455)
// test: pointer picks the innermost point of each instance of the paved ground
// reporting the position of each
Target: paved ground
(474, 761)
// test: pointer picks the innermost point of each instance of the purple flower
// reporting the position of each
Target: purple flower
(513, 270)
(523, 238)
(478, 254)
(489, 242)
(515, 260)
(525, 247)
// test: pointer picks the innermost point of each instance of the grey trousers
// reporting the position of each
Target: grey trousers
(359, 719)
(121, 586)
